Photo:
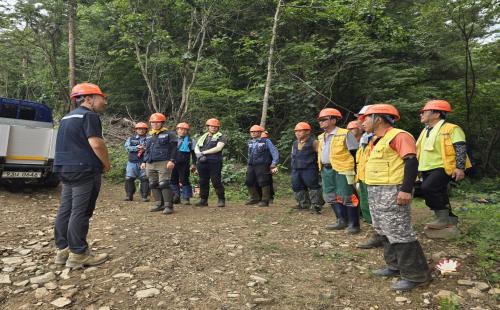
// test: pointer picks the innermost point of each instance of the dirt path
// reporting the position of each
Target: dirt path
(232, 258)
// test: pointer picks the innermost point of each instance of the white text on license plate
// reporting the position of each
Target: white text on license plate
(21, 174)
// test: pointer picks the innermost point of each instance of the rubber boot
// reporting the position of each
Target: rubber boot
(302, 199)
(168, 200)
(448, 233)
(202, 203)
(144, 188)
(266, 195)
(221, 203)
(340, 212)
(159, 200)
(254, 196)
(129, 189)
(352, 220)
(412, 265)
(441, 221)
(317, 201)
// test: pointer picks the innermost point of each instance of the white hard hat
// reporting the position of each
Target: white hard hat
(363, 109)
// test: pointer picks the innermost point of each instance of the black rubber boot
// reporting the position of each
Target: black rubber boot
(316, 201)
(353, 220)
(254, 196)
(144, 188)
(129, 189)
(340, 213)
(167, 195)
(266, 195)
(221, 203)
(202, 203)
(159, 200)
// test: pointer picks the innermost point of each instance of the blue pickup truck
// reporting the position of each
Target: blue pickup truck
(27, 143)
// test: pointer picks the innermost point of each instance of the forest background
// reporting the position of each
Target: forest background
(196, 59)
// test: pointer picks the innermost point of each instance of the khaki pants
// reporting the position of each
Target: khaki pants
(157, 172)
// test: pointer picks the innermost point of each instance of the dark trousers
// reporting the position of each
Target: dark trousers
(305, 179)
(72, 221)
(434, 188)
(210, 171)
(258, 175)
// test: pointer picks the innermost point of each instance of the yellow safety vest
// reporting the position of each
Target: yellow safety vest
(340, 158)
(447, 149)
(361, 157)
(384, 165)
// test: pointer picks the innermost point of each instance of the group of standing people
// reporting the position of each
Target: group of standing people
(370, 166)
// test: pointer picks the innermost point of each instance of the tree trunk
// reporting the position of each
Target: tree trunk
(71, 42)
(265, 101)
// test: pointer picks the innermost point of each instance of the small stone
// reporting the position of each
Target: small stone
(123, 275)
(465, 282)
(232, 295)
(194, 299)
(14, 260)
(262, 301)
(70, 293)
(105, 308)
(21, 283)
(41, 292)
(438, 255)
(401, 299)
(44, 278)
(65, 274)
(251, 284)
(494, 291)
(61, 302)
(67, 287)
(426, 301)
(150, 292)
(258, 279)
(483, 287)
(50, 286)
(475, 293)
(112, 290)
(5, 279)
(326, 245)
(91, 269)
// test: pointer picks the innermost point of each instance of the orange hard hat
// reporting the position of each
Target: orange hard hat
(213, 122)
(352, 125)
(83, 89)
(183, 125)
(302, 126)
(381, 108)
(257, 128)
(157, 117)
(141, 125)
(438, 105)
(329, 112)
(264, 134)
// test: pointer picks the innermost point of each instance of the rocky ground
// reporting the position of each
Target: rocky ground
(233, 258)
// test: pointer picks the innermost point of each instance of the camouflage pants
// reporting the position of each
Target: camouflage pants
(388, 218)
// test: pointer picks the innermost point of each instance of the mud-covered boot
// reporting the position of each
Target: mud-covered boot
(352, 220)
(341, 214)
(303, 202)
(86, 259)
(317, 201)
(169, 209)
(374, 241)
(221, 203)
(266, 195)
(254, 196)
(159, 200)
(61, 256)
(202, 203)
(129, 189)
(441, 220)
(144, 189)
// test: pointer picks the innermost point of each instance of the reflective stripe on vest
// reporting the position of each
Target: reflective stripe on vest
(447, 149)
(384, 166)
(340, 157)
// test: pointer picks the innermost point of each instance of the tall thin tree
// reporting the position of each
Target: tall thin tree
(71, 42)
(265, 101)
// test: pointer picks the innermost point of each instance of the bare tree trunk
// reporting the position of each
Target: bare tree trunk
(265, 101)
(144, 70)
(71, 44)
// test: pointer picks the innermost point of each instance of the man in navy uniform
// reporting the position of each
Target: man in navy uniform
(81, 157)
(135, 148)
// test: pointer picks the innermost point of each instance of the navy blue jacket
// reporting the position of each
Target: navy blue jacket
(161, 147)
(262, 151)
(306, 158)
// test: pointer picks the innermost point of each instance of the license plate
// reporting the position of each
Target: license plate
(21, 174)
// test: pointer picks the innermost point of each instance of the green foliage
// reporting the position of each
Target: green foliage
(480, 226)
(446, 304)
(119, 159)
